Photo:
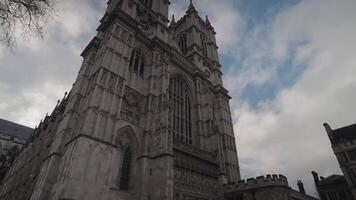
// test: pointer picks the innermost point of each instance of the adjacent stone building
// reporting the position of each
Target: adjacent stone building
(148, 118)
(270, 187)
(12, 134)
(343, 142)
(12, 137)
(333, 187)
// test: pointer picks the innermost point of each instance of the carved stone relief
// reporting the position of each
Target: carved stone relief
(124, 139)
(145, 19)
(132, 107)
(188, 181)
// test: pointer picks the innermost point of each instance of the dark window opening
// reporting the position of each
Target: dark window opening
(203, 45)
(126, 169)
(183, 43)
(137, 62)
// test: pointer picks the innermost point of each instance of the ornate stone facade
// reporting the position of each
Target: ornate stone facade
(147, 118)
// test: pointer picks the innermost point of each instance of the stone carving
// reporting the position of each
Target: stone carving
(212, 156)
(124, 139)
(131, 107)
(112, 82)
(145, 20)
(187, 180)
(104, 77)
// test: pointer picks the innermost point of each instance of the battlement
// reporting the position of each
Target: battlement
(258, 182)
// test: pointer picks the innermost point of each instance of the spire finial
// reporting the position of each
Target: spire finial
(65, 95)
(207, 20)
(191, 5)
(173, 19)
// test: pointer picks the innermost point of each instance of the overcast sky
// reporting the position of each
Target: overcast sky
(290, 66)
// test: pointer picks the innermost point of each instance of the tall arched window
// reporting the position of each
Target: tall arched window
(126, 169)
(181, 111)
(137, 62)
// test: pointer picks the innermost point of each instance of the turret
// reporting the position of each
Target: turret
(197, 42)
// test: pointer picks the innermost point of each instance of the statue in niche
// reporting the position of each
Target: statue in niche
(131, 108)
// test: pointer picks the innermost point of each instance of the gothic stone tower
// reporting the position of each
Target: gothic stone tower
(147, 118)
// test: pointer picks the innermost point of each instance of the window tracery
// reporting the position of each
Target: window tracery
(180, 111)
(137, 62)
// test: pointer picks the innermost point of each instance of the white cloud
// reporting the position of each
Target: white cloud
(77, 17)
(228, 24)
(37, 72)
(286, 135)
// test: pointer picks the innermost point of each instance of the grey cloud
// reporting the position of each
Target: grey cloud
(286, 134)
(37, 72)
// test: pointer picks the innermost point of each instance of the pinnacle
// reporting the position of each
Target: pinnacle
(191, 6)
(173, 19)
(207, 20)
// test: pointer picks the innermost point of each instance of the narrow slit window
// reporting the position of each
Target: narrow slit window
(126, 169)
(183, 43)
(137, 62)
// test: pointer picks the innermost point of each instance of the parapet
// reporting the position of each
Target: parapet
(258, 182)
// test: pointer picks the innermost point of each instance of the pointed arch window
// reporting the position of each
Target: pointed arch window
(183, 43)
(126, 169)
(180, 111)
(137, 62)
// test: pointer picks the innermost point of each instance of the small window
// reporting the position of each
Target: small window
(126, 169)
(137, 62)
(183, 43)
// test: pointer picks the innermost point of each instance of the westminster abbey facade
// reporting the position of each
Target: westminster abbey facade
(148, 118)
